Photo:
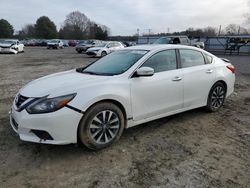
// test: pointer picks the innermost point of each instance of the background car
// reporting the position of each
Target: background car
(11, 46)
(82, 46)
(94, 104)
(55, 44)
(104, 49)
(183, 40)
(72, 43)
(65, 43)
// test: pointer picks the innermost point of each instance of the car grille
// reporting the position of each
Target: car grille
(91, 53)
(20, 100)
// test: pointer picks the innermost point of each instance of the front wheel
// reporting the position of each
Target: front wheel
(103, 53)
(101, 126)
(216, 97)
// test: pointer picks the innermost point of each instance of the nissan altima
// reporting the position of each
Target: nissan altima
(94, 104)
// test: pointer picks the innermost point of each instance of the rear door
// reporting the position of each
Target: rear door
(198, 76)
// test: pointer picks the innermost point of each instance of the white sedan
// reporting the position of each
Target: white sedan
(93, 105)
(104, 49)
(11, 46)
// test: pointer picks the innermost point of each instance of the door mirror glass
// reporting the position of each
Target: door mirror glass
(145, 71)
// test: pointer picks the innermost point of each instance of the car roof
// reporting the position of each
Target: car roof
(153, 47)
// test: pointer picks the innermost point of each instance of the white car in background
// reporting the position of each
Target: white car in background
(104, 49)
(11, 46)
(94, 104)
(55, 44)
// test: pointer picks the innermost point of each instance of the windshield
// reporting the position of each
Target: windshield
(116, 63)
(54, 41)
(85, 42)
(163, 40)
(102, 45)
(9, 42)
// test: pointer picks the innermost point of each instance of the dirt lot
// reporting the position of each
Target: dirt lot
(191, 149)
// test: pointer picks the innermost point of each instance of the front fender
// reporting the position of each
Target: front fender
(117, 92)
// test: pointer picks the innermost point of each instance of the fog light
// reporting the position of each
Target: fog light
(42, 134)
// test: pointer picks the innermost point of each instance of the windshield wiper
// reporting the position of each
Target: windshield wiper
(89, 72)
(81, 70)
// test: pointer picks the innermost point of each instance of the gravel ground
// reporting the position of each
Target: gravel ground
(191, 149)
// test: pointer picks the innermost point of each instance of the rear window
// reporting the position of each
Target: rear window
(209, 58)
(190, 58)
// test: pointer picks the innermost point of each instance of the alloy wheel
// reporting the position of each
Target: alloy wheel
(217, 97)
(104, 127)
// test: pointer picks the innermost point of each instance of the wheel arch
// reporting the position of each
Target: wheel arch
(220, 81)
(116, 102)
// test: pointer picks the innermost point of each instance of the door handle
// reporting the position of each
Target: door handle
(177, 78)
(209, 71)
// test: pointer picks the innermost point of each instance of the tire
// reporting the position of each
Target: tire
(79, 51)
(103, 54)
(96, 132)
(216, 97)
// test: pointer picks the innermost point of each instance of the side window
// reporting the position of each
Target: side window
(190, 58)
(110, 45)
(162, 61)
(209, 58)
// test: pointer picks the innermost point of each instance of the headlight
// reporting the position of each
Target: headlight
(46, 105)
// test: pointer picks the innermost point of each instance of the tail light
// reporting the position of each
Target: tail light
(231, 68)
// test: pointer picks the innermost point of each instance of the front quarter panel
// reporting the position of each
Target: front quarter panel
(117, 90)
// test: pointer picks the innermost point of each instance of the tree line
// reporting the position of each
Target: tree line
(231, 29)
(76, 26)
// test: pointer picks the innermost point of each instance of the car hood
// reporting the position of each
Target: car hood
(83, 45)
(52, 43)
(95, 48)
(5, 45)
(60, 83)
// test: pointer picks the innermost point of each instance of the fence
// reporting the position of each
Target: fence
(220, 44)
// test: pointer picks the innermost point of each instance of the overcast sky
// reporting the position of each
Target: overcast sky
(123, 17)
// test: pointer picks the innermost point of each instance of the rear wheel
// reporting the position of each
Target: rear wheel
(101, 126)
(216, 97)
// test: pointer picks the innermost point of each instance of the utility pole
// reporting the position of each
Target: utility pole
(219, 30)
(149, 32)
(239, 31)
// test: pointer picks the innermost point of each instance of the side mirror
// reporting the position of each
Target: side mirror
(144, 71)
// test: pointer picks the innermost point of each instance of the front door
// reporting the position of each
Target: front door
(160, 93)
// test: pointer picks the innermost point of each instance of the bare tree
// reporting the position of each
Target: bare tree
(28, 31)
(232, 29)
(78, 26)
(77, 19)
(209, 31)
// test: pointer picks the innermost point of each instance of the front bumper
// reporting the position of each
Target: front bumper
(52, 46)
(61, 126)
(94, 53)
(83, 49)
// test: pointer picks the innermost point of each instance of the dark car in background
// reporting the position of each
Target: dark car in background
(82, 46)
(72, 43)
